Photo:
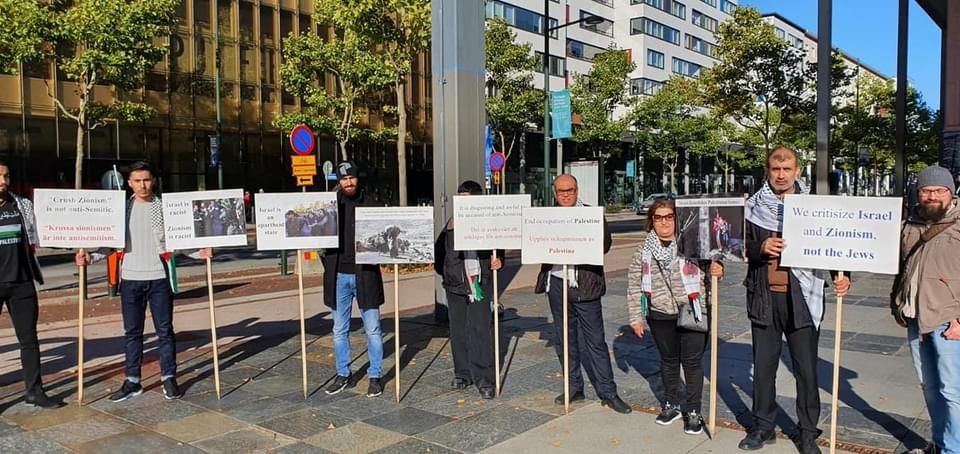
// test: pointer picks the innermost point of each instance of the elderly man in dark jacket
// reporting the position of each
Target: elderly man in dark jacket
(587, 285)
(344, 280)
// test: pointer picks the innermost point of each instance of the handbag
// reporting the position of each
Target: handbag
(686, 317)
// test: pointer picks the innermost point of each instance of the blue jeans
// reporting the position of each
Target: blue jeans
(937, 361)
(346, 292)
(134, 297)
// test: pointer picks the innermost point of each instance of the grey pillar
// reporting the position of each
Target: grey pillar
(458, 104)
(824, 51)
(901, 101)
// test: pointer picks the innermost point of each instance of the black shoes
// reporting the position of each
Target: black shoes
(375, 389)
(668, 414)
(460, 383)
(41, 400)
(616, 404)
(127, 390)
(575, 397)
(693, 423)
(171, 390)
(808, 445)
(487, 392)
(339, 384)
(756, 439)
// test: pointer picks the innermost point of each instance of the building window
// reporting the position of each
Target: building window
(704, 21)
(795, 41)
(644, 86)
(712, 3)
(686, 68)
(583, 51)
(604, 28)
(521, 18)
(654, 59)
(780, 33)
(668, 6)
(727, 6)
(700, 46)
(642, 25)
(558, 65)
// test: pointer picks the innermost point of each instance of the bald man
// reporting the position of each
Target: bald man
(587, 285)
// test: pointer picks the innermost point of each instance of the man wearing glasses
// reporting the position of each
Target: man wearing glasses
(587, 285)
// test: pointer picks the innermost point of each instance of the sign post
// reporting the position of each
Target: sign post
(304, 164)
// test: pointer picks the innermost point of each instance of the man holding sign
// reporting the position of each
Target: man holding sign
(781, 302)
(587, 285)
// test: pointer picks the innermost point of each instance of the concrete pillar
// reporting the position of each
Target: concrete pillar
(950, 87)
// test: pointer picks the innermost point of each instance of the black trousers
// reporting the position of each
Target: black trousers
(471, 338)
(21, 301)
(678, 347)
(767, 346)
(586, 337)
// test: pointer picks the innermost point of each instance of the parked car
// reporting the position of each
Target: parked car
(645, 205)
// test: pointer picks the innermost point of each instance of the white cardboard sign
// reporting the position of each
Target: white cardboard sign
(80, 218)
(842, 233)
(487, 222)
(202, 219)
(394, 235)
(296, 220)
(563, 235)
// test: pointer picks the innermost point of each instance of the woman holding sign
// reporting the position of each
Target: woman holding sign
(468, 281)
(668, 291)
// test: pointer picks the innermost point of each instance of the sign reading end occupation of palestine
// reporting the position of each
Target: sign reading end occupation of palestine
(842, 233)
(563, 235)
(487, 222)
(68, 218)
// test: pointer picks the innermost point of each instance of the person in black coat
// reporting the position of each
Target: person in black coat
(344, 280)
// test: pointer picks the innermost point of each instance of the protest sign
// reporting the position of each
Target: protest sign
(296, 220)
(78, 218)
(487, 222)
(710, 228)
(203, 219)
(563, 235)
(842, 233)
(394, 235)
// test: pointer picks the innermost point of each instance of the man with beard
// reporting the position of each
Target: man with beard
(924, 301)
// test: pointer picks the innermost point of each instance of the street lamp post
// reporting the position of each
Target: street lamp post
(547, 29)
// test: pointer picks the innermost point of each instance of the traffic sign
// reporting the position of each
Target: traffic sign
(305, 180)
(497, 161)
(302, 140)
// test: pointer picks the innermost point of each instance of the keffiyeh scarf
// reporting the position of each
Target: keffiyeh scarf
(666, 258)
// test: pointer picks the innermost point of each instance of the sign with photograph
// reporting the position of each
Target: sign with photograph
(203, 219)
(76, 218)
(394, 235)
(842, 233)
(296, 220)
(487, 222)
(563, 235)
(711, 228)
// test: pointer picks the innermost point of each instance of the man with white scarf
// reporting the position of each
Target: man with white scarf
(782, 302)
(585, 331)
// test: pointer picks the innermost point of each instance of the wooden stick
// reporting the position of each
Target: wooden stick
(80, 338)
(396, 329)
(566, 348)
(714, 346)
(303, 327)
(213, 328)
(836, 373)
(496, 328)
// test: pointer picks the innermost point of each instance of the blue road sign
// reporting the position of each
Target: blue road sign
(487, 150)
(496, 161)
(302, 140)
(560, 113)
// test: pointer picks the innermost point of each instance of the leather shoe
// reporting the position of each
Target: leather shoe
(616, 404)
(575, 397)
(487, 392)
(460, 383)
(808, 445)
(43, 401)
(756, 439)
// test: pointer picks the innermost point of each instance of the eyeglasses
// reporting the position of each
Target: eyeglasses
(565, 191)
(935, 191)
(664, 218)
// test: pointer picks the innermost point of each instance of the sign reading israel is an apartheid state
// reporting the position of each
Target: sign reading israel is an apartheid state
(486, 222)
(71, 218)
(563, 235)
(296, 220)
(842, 233)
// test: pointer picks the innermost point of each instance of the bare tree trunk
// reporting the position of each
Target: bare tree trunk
(401, 143)
(81, 146)
(343, 150)
(673, 183)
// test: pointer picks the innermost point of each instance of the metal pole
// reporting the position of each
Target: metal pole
(547, 195)
(901, 102)
(824, 51)
(216, 79)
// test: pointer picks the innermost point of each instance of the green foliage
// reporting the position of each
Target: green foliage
(22, 28)
(512, 102)
(597, 95)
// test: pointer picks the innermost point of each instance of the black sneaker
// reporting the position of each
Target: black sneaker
(339, 384)
(171, 390)
(42, 400)
(693, 423)
(576, 396)
(127, 390)
(374, 390)
(756, 439)
(460, 383)
(668, 414)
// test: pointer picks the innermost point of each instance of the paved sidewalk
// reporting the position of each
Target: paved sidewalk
(263, 408)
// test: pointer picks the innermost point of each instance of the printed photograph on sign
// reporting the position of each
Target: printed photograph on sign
(394, 235)
(487, 222)
(296, 220)
(68, 218)
(202, 219)
(218, 217)
(711, 228)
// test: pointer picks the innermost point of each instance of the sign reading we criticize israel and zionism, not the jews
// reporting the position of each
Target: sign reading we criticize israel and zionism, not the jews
(842, 233)
(487, 222)
(78, 218)
(563, 235)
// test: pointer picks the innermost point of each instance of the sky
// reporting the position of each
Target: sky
(867, 30)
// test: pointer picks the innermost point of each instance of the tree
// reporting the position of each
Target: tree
(597, 96)
(512, 102)
(22, 29)
(759, 79)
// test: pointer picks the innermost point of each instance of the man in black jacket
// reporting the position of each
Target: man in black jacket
(587, 285)
(782, 302)
(344, 280)
(468, 281)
